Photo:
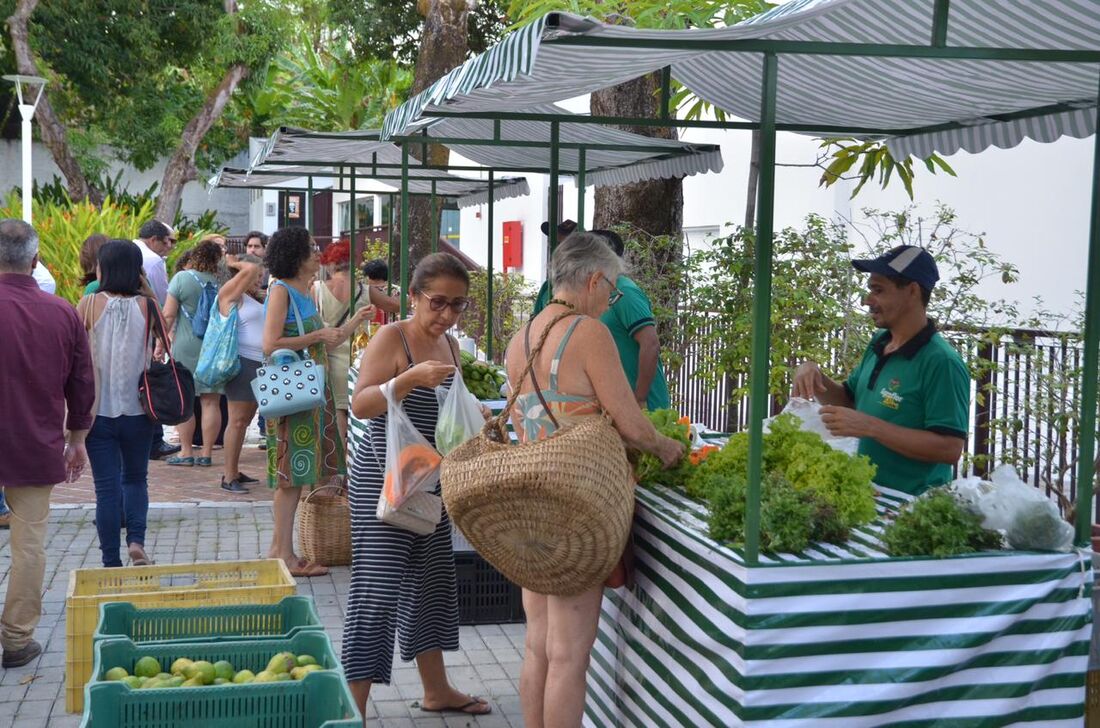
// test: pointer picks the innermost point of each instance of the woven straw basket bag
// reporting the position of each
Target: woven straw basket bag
(551, 515)
(324, 526)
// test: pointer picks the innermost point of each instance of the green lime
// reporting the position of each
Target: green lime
(133, 681)
(223, 670)
(116, 673)
(147, 667)
(202, 670)
(179, 667)
(264, 677)
(244, 676)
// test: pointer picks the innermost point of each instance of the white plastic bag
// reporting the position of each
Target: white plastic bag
(1029, 520)
(412, 469)
(810, 413)
(460, 416)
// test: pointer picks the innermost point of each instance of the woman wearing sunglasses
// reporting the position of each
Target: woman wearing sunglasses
(397, 577)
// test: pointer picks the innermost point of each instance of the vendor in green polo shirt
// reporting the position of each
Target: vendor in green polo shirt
(630, 320)
(908, 400)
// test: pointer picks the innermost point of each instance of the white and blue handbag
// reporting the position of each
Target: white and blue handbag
(288, 383)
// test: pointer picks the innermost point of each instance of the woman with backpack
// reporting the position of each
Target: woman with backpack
(192, 294)
(118, 443)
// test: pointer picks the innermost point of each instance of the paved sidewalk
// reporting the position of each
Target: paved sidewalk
(33, 696)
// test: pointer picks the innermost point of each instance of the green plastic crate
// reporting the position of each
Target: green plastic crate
(245, 654)
(321, 700)
(283, 619)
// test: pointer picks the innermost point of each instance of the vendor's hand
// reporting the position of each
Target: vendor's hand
(669, 451)
(846, 422)
(808, 381)
(431, 373)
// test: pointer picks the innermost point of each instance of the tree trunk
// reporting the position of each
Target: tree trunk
(754, 181)
(444, 42)
(53, 132)
(181, 166)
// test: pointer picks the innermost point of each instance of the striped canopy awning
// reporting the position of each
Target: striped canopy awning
(834, 75)
(611, 156)
(466, 192)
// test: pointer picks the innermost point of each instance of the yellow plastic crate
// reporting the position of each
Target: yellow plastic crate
(209, 583)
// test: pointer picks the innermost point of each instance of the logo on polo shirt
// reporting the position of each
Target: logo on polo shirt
(890, 396)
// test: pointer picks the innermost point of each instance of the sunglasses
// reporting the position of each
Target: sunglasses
(616, 295)
(438, 303)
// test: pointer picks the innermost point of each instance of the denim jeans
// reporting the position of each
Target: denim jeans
(3, 503)
(118, 450)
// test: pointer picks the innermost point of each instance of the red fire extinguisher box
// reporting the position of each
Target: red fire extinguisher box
(513, 245)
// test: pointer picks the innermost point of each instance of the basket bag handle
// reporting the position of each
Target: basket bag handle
(495, 428)
(338, 488)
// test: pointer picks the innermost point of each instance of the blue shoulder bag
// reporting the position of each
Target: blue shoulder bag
(289, 383)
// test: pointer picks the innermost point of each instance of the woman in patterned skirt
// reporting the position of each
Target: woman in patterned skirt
(303, 449)
(399, 580)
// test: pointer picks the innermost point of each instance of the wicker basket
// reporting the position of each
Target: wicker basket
(324, 527)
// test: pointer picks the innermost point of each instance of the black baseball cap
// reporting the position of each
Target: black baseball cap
(565, 227)
(910, 262)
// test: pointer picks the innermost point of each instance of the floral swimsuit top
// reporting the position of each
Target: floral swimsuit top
(532, 416)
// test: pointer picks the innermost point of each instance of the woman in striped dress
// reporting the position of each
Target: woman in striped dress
(400, 580)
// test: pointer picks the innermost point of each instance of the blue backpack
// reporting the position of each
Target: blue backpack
(207, 300)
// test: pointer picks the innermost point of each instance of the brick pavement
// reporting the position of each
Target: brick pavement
(33, 697)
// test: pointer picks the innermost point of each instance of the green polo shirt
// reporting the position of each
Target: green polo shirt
(627, 317)
(924, 385)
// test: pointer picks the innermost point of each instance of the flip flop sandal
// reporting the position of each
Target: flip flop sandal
(180, 461)
(465, 708)
(308, 569)
(204, 462)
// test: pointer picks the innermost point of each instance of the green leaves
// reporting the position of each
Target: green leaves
(936, 524)
(873, 159)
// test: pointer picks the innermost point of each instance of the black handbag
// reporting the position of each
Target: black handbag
(166, 389)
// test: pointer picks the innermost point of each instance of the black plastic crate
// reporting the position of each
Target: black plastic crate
(484, 595)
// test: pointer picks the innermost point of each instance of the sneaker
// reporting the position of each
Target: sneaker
(233, 486)
(5, 519)
(22, 656)
(242, 478)
(163, 450)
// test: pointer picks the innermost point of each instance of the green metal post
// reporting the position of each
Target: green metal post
(389, 253)
(351, 251)
(552, 215)
(403, 251)
(1091, 367)
(940, 12)
(435, 222)
(761, 309)
(582, 169)
(489, 276)
(309, 206)
(666, 91)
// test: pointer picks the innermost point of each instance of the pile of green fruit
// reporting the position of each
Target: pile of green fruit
(483, 380)
(185, 673)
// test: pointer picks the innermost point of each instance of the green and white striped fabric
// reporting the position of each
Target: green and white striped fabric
(537, 65)
(838, 637)
(662, 158)
(467, 192)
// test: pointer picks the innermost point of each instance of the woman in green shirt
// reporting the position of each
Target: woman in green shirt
(89, 254)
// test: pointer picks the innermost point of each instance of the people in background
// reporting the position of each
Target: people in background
(307, 445)
(634, 329)
(334, 298)
(89, 260)
(908, 400)
(156, 240)
(399, 579)
(576, 379)
(46, 388)
(185, 297)
(118, 443)
(243, 293)
(255, 243)
(377, 275)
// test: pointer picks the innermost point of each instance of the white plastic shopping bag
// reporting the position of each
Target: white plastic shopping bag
(810, 413)
(1029, 520)
(412, 469)
(460, 416)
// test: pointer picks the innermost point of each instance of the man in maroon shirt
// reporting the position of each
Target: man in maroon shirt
(45, 364)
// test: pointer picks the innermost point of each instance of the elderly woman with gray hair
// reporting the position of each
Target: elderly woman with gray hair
(576, 378)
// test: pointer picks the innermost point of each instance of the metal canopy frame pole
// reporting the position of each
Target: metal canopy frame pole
(761, 309)
(582, 169)
(352, 246)
(1086, 448)
(552, 213)
(435, 221)
(489, 275)
(403, 251)
(309, 206)
(389, 253)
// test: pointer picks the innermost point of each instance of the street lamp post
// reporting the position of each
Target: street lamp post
(27, 112)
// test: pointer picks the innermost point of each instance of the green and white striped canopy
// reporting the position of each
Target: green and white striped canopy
(466, 192)
(646, 158)
(923, 103)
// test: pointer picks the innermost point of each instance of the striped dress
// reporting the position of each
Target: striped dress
(398, 580)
